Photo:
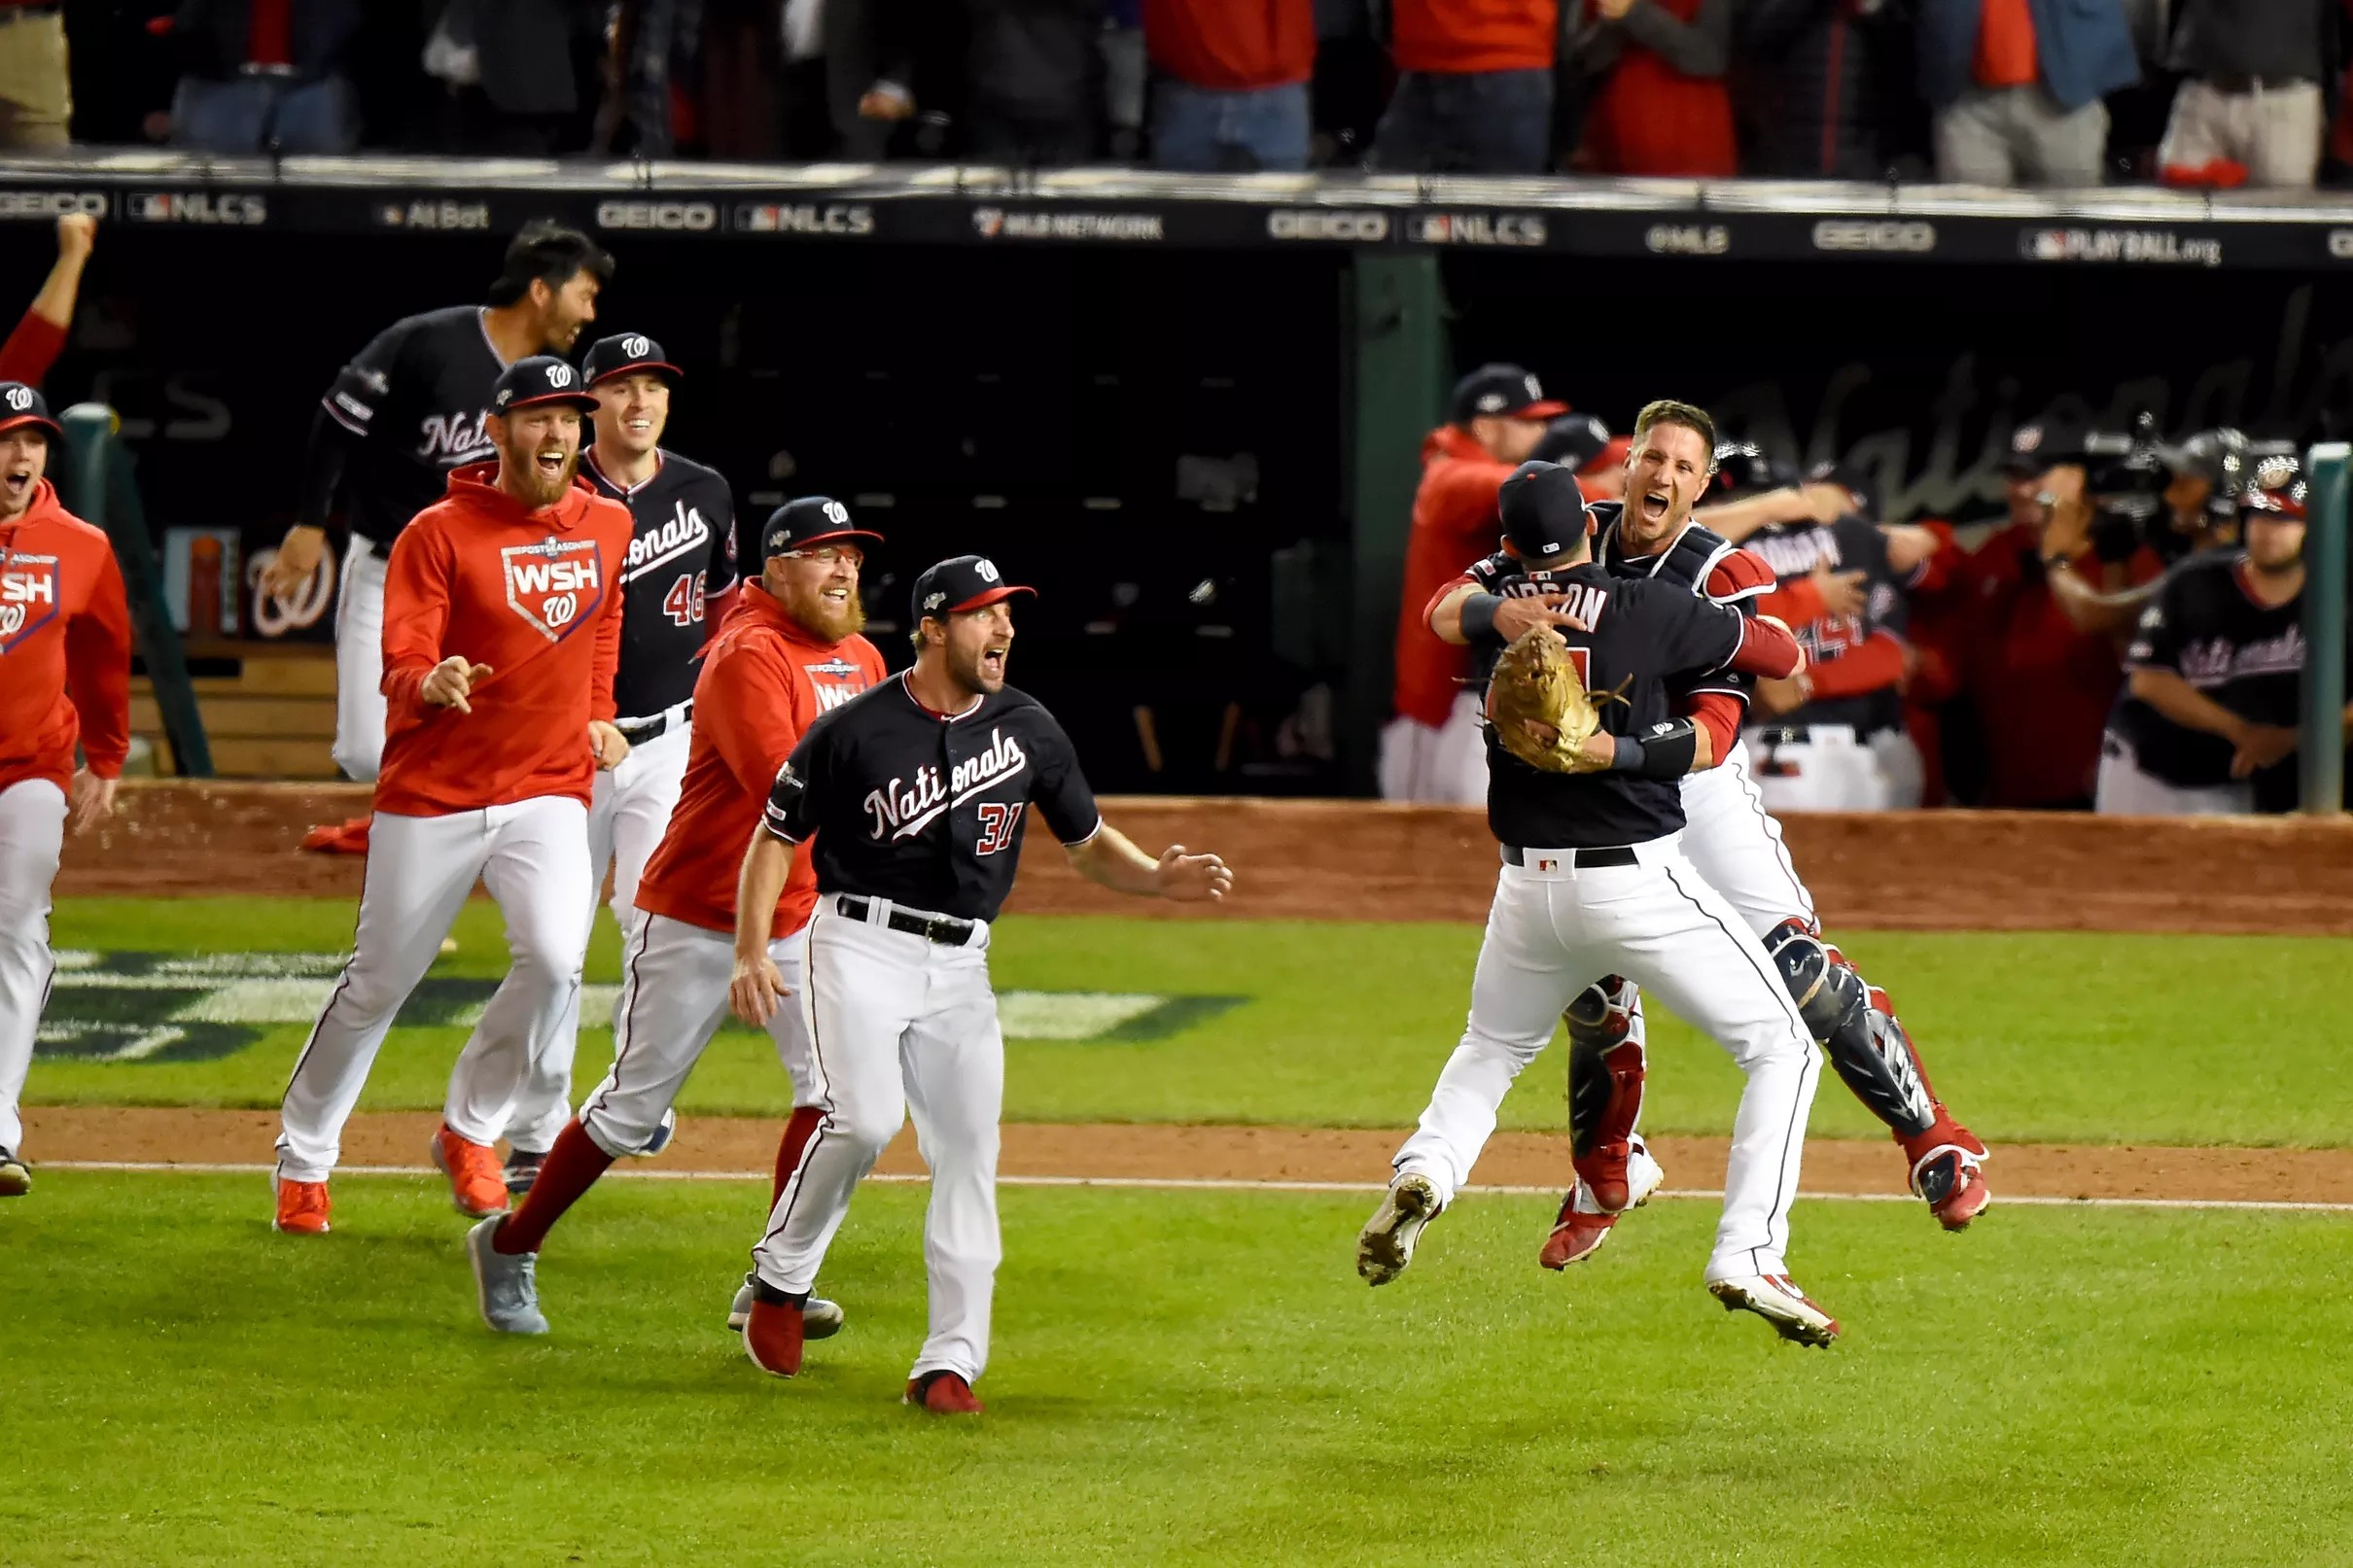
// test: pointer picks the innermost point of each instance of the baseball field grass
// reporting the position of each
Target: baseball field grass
(1179, 1377)
(2075, 1037)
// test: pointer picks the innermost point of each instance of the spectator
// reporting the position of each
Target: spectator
(1034, 79)
(33, 347)
(2208, 719)
(2015, 86)
(266, 74)
(1432, 750)
(516, 71)
(1662, 107)
(2249, 108)
(1817, 70)
(36, 99)
(1231, 95)
(1474, 91)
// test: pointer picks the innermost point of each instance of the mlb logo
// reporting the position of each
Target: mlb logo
(553, 585)
(30, 591)
(1543, 865)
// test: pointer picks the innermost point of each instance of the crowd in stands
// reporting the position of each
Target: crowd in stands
(2214, 94)
(2126, 635)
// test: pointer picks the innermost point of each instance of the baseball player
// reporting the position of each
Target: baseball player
(678, 581)
(917, 793)
(1595, 880)
(2206, 723)
(1737, 846)
(413, 405)
(1432, 749)
(790, 653)
(65, 678)
(502, 628)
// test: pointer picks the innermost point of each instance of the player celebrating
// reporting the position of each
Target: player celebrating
(502, 628)
(917, 793)
(65, 677)
(412, 407)
(1737, 847)
(790, 653)
(681, 559)
(1594, 882)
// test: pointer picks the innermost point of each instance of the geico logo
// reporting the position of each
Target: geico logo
(1365, 226)
(669, 215)
(553, 576)
(51, 203)
(2340, 243)
(195, 208)
(23, 588)
(1835, 234)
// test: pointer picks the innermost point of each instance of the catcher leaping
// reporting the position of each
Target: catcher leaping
(1583, 795)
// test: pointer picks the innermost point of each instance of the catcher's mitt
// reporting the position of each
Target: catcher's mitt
(1538, 707)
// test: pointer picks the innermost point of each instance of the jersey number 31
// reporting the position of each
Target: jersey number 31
(998, 820)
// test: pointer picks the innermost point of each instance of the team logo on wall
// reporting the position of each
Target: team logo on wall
(554, 585)
(28, 597)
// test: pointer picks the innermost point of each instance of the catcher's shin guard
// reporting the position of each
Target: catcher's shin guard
(1865, 1043)
(1606, 1068)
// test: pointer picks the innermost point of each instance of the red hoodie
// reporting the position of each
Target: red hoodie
(765, 681)
(65, 647)
(535, 595)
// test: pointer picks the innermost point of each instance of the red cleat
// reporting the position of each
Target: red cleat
(943, 1393)
(302, 1207)
(1946, 1173)
(478, 1182)
(772, 1335)
(1575, 1237)
(338, 838)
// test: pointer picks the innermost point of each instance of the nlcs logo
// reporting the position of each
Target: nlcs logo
(552, 584)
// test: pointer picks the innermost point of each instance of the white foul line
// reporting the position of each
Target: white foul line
(1227, 1184)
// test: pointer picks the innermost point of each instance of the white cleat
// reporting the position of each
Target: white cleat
(1387, 1243)
(1778, 1300)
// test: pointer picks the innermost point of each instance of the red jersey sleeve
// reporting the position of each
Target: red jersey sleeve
(97, 669)
(1799, 605)
(1738, 575)
(737, 706)
(1718, 712)
(31, 349)
(1466, 580)
(1765, 651)
(416, 613)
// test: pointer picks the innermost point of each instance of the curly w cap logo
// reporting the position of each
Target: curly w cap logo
(636, 347)
(28, 597)
(554, 585)
(20, 399)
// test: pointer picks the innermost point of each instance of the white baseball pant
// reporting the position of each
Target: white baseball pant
(898, 1023)
(32, 836)
(2125, 790)
(1444, 766)
(673, 998)
(358, 745)
(627, 816)
(1555, 929)
(1834, 770)
(532, 858)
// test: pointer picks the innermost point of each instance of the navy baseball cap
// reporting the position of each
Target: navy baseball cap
(1574, 440)
(21, 405)
(626, 353)
(811, 520)
(1543, 510)
(960, 584)
(542, 378)
(1743, 469)
(1506, 390)
(2037, 447)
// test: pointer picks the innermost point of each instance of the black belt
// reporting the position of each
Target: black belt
(640, 734)
(944, 930)
(1617, 855)
(2237, 82)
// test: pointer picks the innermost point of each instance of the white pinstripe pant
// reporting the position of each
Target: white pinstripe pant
(1553, 929)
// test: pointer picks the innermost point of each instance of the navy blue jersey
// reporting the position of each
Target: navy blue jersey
(681, 552)
(416, 397)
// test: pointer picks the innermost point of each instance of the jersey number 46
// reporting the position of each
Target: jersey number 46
(684, 603)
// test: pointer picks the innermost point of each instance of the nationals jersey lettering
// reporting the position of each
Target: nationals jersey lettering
(28, 596)
(417, 397)
(552, 584)
(1632, 636)
(2204, 626)
(925, 811)
(681, 555)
